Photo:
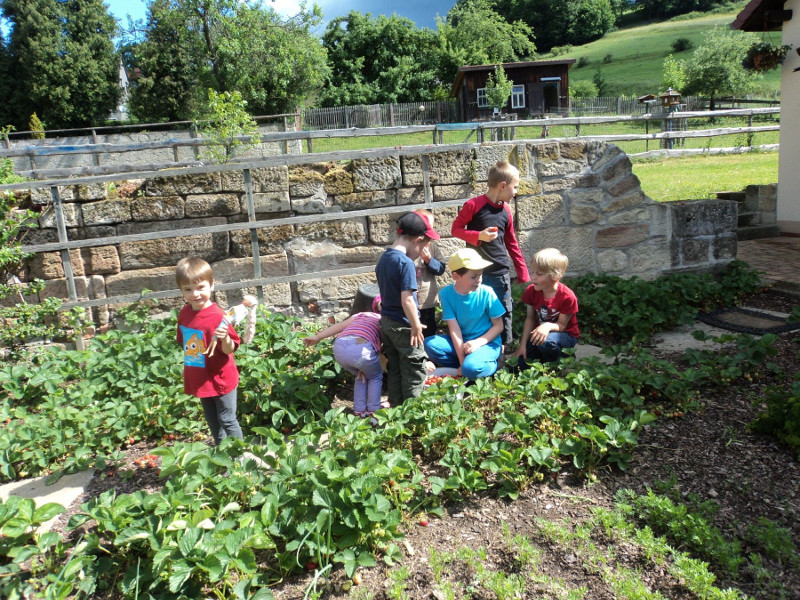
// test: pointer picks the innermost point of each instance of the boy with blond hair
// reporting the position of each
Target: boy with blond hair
(485, 223)
(474, 320)
(551, 323)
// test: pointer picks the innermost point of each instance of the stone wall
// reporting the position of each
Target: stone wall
(581, 197)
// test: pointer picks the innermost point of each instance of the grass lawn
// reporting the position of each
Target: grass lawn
(698, 177)
(631, 60)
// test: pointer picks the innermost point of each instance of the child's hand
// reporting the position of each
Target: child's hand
(425, 255)
(489, 234)
(539, 335)
(417, 337)
(310, 340)
(472, 345)
(521, 351)
(221, 332)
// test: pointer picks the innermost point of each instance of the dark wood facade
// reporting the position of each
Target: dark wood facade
(542, 87)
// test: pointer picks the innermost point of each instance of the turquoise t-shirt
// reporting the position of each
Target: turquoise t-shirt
(473, 312)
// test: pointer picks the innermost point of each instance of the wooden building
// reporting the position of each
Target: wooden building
(540, 87)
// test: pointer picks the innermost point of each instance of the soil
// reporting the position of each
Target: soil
(708, 453)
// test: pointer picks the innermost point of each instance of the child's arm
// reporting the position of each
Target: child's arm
(433, 264)
(495, 330)
(334, 329)
(458, 341)
(224, 339)
(527, 329)
(539, 334)
(514, 252)
(412, 314)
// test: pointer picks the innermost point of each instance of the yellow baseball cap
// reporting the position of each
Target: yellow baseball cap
(467, 258)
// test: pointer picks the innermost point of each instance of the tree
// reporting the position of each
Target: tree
(715, 68)
(190, 46)
(674, 74)
(582, 89)
(498, 89)
(226, 121)
(475, 34)
(65, 50)
(379, 60)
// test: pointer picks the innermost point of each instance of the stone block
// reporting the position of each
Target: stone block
(617, 168)
(586, 179)
(90, 192)
(612, 261)
(157, 208)
(180, 185)
(621, 236)
(305, 182)
(546, 151)
(559, 168)
(529, 187)
(411, 168)
(767, 203)
(270, 240)
(161, 253)
(725, 247)
(637, 215)
(262, 180)
(652, 257)
(276, 295)
(443, 217)
(573, 150)
(134, 282)
(558, 184)
(100, 260)
(315, 205)
(382, 228)
(462, 191)
(605, 154)
(268, 202)
(364, 200)
(695, 251)
(100, 315)
(584, 195)
(106, 212)
(212, 205)
(233, 270)
(309, 256)
(48, 265)
(453, 167)
(376, 174)
(92, 233)
(540, 211)
(338, 180)
(43, 196)
(486, 156)
(634, 198)
(347, 232)
(57, 288)
(703, 217)
(71, 212)
(576, 242)
(332, 288)
(410, 195)
(624, 185)
(582, 214)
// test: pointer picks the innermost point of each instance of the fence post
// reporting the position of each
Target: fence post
(251, 216)
(426, 180)
(749, 133)
(95, 155)
(66, 260)
(194, 135)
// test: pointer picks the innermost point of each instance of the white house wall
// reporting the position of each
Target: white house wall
(789, 173)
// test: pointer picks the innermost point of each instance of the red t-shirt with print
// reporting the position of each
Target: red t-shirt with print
(565, 301)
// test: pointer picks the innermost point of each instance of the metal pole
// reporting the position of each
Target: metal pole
(251, 216)
(66, 260)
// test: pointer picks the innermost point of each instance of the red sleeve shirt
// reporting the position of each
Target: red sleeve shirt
(205, 376)
(565, 301)
(476, 215)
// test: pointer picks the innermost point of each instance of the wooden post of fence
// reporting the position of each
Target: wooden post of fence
(251, 216)
(749, 133)
(647, 132)
(95, 155)
(308, 145)
(193, 134)
(426, 179)
(285, 129)
(66, 260)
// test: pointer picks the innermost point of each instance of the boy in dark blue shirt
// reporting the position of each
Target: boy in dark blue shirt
(401, 329)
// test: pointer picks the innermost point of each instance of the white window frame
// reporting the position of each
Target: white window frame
(482, 101)
(518, 96)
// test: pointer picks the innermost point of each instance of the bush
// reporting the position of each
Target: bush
(582, 89)
(681, 44)
(608, 58)
(582, 62)
(559, 50)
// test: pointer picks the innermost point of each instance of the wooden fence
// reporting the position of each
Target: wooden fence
(109, 158)
(379, 115)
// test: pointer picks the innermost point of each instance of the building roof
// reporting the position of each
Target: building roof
(507, 66)
(762, 15)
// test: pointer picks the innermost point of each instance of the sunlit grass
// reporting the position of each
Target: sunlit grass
(698, 177)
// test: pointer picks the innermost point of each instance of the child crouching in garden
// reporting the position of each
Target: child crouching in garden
(357, 349)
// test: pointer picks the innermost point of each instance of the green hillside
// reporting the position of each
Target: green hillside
(631, 60)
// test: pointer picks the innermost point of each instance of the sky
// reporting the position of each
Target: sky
(421, 12)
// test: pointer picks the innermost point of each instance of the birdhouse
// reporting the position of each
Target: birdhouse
(670, 99)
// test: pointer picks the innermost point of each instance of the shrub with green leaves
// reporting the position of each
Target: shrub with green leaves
(226, 123)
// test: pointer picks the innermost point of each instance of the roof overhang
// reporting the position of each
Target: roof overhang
(508, 67)
(762, 15)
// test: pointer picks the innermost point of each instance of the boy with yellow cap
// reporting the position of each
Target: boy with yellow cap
(474, 318)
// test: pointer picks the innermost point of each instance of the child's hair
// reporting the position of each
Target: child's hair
(551, 262)
(192, 270)
(502, 172)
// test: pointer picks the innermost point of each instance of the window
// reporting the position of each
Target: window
(482, 101)
(518, 96)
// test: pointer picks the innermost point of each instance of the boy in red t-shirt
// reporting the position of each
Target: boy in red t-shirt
(551, 323)
(209, 371)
